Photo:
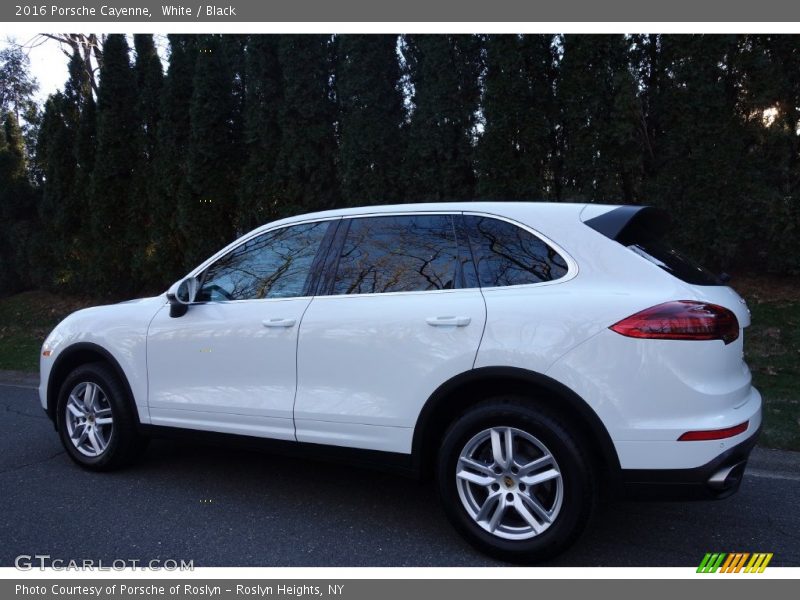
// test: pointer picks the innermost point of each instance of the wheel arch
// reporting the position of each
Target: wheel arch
(465, 390)
(77, 354)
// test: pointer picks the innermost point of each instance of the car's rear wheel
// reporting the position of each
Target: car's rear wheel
(514, 480)
(95, 419)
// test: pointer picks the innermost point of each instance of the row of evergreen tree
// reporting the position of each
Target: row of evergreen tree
(134, 183)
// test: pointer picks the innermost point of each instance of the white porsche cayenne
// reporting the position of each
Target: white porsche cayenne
(531, 357)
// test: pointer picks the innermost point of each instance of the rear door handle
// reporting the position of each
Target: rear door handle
(278, 322)
(448, 321)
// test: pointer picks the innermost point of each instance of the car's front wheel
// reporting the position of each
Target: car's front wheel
(514, 480)
(95, 419)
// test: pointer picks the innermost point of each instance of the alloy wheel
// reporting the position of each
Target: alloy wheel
(509, 483)
(90, 423)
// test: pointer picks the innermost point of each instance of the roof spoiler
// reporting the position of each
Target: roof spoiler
(625, 224)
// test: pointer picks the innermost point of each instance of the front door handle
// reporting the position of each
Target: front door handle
(448, 321)
(278, 322)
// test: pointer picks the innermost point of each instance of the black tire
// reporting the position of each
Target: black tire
(576, 490)
(124, 444)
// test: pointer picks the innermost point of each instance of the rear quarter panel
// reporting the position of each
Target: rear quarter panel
(644, 391)
(532, 326)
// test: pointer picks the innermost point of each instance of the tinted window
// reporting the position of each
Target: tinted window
(276, 264)
(397, 254)
(645, 231)
(663, 254)
(509, 255)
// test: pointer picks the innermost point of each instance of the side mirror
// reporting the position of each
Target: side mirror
(181, 295)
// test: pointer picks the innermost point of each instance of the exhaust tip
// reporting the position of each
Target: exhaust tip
(727, 477)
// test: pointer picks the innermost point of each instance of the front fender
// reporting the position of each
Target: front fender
(115, 333)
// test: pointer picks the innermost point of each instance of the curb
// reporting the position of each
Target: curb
(780, 462)
(19, 378)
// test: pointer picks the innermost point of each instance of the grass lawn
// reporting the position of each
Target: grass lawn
(772, 349)
(772, 345)
(25, 320)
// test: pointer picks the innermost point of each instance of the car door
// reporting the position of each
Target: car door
(228, 364)
(393, 321)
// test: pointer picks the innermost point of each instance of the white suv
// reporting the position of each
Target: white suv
(529, 356)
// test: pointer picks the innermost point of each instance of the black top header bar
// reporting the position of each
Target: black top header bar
(741, 11)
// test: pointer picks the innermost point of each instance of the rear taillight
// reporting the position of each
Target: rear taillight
(681, 320)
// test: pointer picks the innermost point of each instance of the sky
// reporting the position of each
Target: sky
(48, 62)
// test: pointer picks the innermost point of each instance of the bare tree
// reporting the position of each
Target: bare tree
(88, 45)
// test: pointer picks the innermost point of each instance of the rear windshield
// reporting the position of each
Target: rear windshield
(645, 231)
(660, 252)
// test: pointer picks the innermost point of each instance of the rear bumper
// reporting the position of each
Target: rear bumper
(717, 479)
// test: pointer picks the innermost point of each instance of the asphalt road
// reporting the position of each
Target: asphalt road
(221, 507)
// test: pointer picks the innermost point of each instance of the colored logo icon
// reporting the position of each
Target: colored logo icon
(734, 562)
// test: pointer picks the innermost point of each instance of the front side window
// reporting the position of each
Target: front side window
(276, 264)
(397, 254)
(506, 254)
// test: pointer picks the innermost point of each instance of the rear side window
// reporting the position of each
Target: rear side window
(397, 254)
(506, 254)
